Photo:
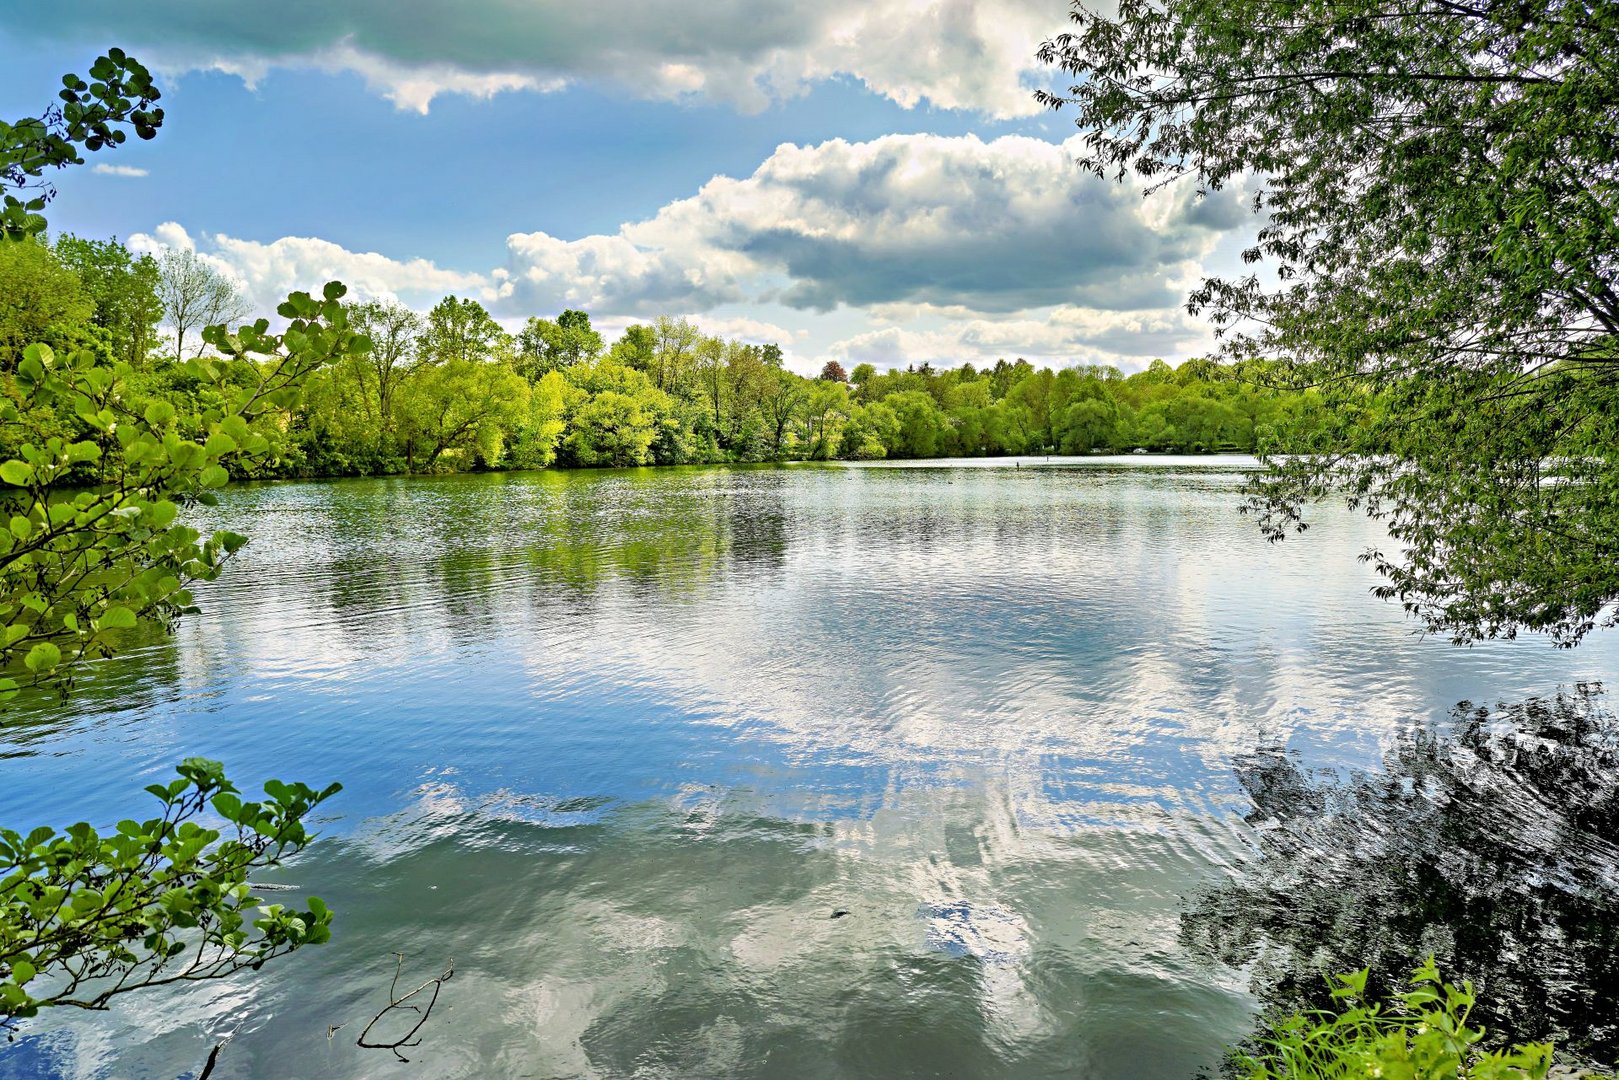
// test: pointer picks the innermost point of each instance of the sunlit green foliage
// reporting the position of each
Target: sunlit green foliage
(452, 391)
(93, 542)
(1438, 191)
(123, 289)
(1425, 1034)
(544, 346)
(94, 545)
(41, 300)
(100, 454)
(86, 916)
(668, 394)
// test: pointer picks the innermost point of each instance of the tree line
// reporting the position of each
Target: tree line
(452, 390)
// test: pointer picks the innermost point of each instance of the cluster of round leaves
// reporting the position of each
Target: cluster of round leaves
(91, 541)
(1425, 1035)
(92, 546)
(85, 916)
(92, 113)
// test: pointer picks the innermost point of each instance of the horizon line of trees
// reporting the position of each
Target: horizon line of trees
(452, 390)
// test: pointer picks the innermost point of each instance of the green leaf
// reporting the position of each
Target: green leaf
(116, 618)
(16, 473)
(201, 770)
(228, 805)
(42, 657)
(83, 451)
(161, 513)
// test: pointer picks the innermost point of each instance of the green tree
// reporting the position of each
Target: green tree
(40, 300)
(539, 430)
(748, 379)
(466, 408)
(636, 348)
(543, 345)
(1088, 424)
(395, 334)
(781, 400)
(123, 287)
(1441, 213)
(868, 433)
(708, 368)
(673, 352)
(334, 429)
(611, 428)
(920, 424)
(460, 330)
(825, 409)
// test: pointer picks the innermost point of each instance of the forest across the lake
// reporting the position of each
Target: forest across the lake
(453, 391)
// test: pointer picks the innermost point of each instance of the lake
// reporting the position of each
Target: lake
(911, 769)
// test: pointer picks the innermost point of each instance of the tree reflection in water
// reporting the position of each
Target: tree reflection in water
(1491, 841)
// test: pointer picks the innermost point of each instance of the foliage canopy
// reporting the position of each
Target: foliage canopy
(1437, 185)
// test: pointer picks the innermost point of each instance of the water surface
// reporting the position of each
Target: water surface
(618, 744)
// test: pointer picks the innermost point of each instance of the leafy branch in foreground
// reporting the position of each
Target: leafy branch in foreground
(91, 546)
(90, 541)
(85, 917)
(1426, 1036)
(1436, 189)
(92, 115)
(93, 477)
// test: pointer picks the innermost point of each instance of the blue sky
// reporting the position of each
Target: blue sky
(860, 181)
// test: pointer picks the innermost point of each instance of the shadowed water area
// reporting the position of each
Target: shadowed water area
(1088, 769)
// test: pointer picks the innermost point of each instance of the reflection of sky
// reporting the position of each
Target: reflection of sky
(1016, 687)
(1107, 636)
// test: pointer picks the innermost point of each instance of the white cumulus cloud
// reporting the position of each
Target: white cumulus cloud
(268, 272)
(994, 226)
(898, 250)
(1062, 336)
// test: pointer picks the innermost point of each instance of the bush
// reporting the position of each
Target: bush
(1424, 1037)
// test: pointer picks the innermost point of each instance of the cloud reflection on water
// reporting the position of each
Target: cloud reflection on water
(620, 742)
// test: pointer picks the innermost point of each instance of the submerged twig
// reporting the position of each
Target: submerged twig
(400, 1003)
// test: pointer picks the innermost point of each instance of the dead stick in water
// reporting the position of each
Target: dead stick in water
(399, 1003)
(213, 1055)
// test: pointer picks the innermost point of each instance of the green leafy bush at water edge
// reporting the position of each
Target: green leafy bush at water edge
(1425, 1037)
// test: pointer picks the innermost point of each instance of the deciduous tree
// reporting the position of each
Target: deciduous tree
(1437, 190)
(460, 329)
(123, 287)
(195, 293)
